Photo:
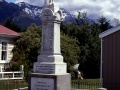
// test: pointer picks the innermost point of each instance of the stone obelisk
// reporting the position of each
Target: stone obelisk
(49, 72)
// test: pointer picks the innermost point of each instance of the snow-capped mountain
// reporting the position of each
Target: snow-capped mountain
(35, 11)
(24, 14)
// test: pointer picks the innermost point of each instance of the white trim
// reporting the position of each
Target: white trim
(13, 74)
(4, 61)
(7, 52)
(109, 31)
(101, 66)
(1, 68)
(9, 36)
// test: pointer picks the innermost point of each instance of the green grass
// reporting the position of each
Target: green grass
(91, 84)
(12, 84)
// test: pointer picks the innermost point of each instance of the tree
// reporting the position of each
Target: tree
(81, 18)
(69, 29)
(12, 26)
(90, 51)
(87, 35)
(28, 48)
(103, 23)
(70, 51)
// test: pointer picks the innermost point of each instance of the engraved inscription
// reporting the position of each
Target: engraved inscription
(47, 14)
(47, 69)
(47, 38)
(42, 83)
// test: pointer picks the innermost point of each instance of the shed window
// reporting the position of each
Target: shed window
(4, 51)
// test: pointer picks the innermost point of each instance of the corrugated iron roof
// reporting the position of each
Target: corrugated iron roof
(7, 31)
(109, 31)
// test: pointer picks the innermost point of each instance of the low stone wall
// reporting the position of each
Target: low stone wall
(102, 89)
(25, 88)
(79, 89)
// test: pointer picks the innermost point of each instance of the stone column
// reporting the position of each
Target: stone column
(49, 72)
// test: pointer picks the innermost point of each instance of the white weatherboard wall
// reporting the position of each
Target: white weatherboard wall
(10, 46)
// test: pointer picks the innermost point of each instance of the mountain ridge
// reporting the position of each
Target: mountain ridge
(24, 14)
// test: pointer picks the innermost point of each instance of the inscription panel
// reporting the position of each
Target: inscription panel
(44, 68)
(42, 83)
(47, 37)
(47, 15)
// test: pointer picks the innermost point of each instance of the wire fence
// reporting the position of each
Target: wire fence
(76, 84)
(79, 84)
(93, 85)
(16, 84)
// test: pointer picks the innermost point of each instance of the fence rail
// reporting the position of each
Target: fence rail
(11, 75)
(77, 84)
(4, 75)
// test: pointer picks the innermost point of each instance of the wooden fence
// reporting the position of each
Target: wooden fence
(11, 75)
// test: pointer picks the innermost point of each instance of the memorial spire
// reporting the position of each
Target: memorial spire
(50, 68)
(45, 2)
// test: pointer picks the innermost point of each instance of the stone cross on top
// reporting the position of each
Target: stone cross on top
(50, 2)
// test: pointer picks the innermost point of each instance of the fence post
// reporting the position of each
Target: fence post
(78, 83)
(22, 70)
(0, 69)
(13, 75)
(2, 74)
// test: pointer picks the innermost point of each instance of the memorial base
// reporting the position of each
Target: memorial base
(39, 81)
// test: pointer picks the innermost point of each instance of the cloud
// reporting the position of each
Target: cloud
(33, 2)
(94, 8)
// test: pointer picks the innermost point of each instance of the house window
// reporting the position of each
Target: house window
(4, 51)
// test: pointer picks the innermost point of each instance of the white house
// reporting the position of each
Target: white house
(7, 42)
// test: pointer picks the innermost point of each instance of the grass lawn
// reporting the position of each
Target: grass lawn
(12, 84)
(91, 84)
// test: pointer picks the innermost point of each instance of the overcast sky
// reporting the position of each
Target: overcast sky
(94, 8)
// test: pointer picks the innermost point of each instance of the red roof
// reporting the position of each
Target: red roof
(7, 31)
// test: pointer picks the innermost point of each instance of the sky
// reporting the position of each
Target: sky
(94, 8)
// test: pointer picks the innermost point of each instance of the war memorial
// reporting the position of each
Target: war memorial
(50, 72)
